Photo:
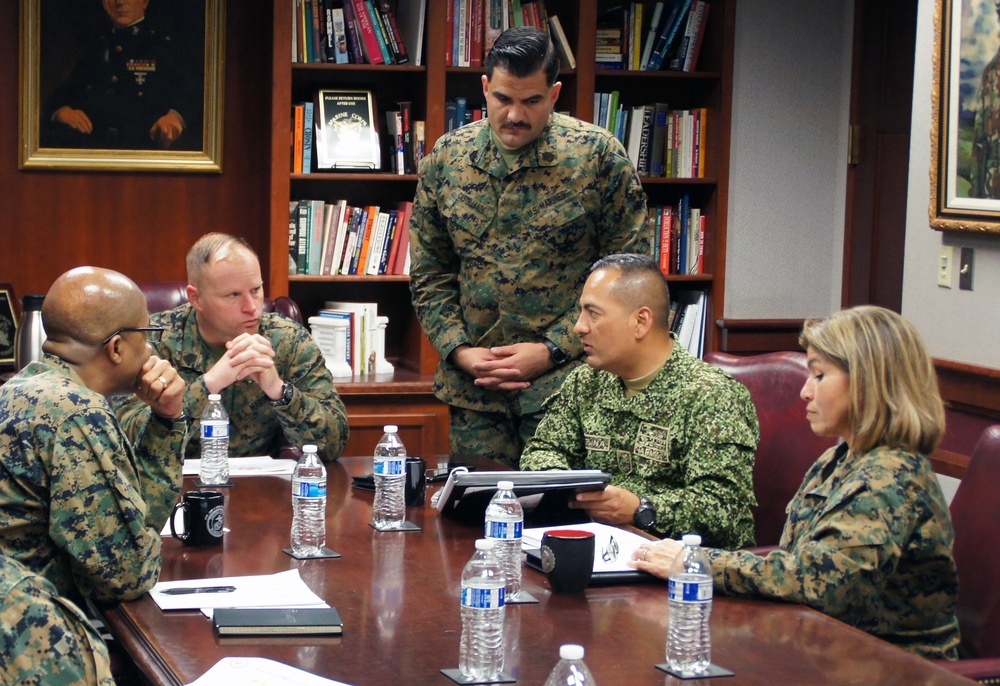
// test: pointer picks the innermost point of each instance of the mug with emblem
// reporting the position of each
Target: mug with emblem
(567, 557)
(203, 518)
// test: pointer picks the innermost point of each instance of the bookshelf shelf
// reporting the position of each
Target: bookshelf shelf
(408, 392)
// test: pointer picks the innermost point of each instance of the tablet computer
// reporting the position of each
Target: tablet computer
(543, 495)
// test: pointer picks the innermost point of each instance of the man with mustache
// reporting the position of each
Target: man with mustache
(510, 212)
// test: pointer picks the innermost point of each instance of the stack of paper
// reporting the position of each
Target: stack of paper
(284, 589)
(613, 547)
(245, 466)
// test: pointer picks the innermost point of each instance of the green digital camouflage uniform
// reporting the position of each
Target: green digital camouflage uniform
(82, 501)
(315, 414)
(686, 442)
(868, 541)
(46, 639)
(500, 255)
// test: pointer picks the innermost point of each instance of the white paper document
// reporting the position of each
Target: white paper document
(613, 547)
(260, 672)
(246, 466)
(284, 589)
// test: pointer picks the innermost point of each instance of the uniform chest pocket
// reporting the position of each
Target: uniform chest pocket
(468, 217)
(562, 213)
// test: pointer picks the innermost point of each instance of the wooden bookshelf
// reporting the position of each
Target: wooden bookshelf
(428, 87)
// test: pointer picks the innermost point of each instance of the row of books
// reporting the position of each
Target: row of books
(358, 31)
(474, 25)
(327, 239)
(678, 237)
(687, 320)
(659, 141)
(340, 131)
(673, 34)
(351, 336)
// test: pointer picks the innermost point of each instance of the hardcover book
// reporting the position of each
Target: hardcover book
(346, 134)
(276, 621)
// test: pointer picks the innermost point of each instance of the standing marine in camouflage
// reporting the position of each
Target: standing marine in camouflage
(82, 500)
(509, 213)
(46, 639)
(676, 434)
(268, 369)
(868, 538)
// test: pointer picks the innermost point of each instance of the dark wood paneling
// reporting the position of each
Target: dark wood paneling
(139, 224)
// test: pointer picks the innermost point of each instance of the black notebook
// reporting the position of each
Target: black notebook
(277, 621)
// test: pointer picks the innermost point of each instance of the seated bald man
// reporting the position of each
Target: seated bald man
(82, 502)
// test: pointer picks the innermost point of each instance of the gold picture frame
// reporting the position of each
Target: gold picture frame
(75, 57)
(965, 146)
(8, 326)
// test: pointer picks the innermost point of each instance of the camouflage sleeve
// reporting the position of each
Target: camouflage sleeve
(558, 440)
(97, 515)
(47, 639)
(159, 456)
(316, 414)
(434, 285)
(718, 486)
(852, 541)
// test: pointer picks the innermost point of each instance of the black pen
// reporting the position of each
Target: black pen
(201, 589)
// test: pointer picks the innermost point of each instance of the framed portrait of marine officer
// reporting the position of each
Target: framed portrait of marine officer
(122, 85)
(965, 131)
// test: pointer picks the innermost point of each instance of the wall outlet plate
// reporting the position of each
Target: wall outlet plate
(944, 266)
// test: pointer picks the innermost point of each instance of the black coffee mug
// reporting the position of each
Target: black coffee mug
(203, 518)
(416, 481)
(568, 559)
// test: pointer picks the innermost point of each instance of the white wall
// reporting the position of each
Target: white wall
(958, 325)
(791, 99)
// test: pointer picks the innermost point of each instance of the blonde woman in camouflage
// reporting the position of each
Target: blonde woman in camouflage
(868, 538)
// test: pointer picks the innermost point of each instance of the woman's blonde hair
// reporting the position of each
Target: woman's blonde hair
(894, 397)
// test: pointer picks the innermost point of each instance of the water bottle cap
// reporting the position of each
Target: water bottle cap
(390, 428)
(485, 543)
(310, 448)
(691, 539)
(505, 485)
(214, 396)
(571, 651)
(32, 301)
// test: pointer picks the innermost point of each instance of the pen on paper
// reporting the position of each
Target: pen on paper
(201, 589)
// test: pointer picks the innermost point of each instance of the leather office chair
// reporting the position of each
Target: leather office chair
(788, 447)
(975, 514)
(166, 295)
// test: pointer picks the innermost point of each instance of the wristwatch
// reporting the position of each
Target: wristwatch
(557, 354)
(286, 395)
(645, 514)
(172, 422)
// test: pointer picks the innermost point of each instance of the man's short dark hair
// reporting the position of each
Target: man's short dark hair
(641, 283)
(522, 51)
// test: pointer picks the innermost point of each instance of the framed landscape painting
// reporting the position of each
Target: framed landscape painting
(122, 85)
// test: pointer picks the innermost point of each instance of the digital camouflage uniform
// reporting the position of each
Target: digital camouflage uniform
(46, 639)
(79, 504)
(124, 82)
(868, 541)
(686, 442)
(315, 414)
(500, 255)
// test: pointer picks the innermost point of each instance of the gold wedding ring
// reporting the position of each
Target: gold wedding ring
(645, 551)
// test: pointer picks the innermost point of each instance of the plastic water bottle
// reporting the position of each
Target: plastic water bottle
(689, 588)
(308, 504)
(389, 510)
(504, 524)
(480, 654)
(570, 670)
(214, 442)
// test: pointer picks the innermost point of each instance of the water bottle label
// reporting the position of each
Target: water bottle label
(507, 531)
(689, 591)
(306, 489)
(214, 430)
(390, 467)
(483, 598)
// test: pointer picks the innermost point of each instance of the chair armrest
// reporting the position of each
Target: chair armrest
(985, 670)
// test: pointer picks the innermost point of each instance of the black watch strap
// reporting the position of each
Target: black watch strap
(286, 395)
(645, 514)
(172, 422)
(556, 354)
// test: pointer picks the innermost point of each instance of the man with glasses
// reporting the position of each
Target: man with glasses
(82, 500)
(676, 434)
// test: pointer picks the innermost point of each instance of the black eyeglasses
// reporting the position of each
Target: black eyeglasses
(153, 333)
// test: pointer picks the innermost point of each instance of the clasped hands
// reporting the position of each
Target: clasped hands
(504, 367)
(247, 356)
(160, 386)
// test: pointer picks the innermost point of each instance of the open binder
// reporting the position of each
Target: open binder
(543, 495)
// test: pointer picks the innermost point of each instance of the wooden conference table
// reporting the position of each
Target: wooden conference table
(398, 596)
